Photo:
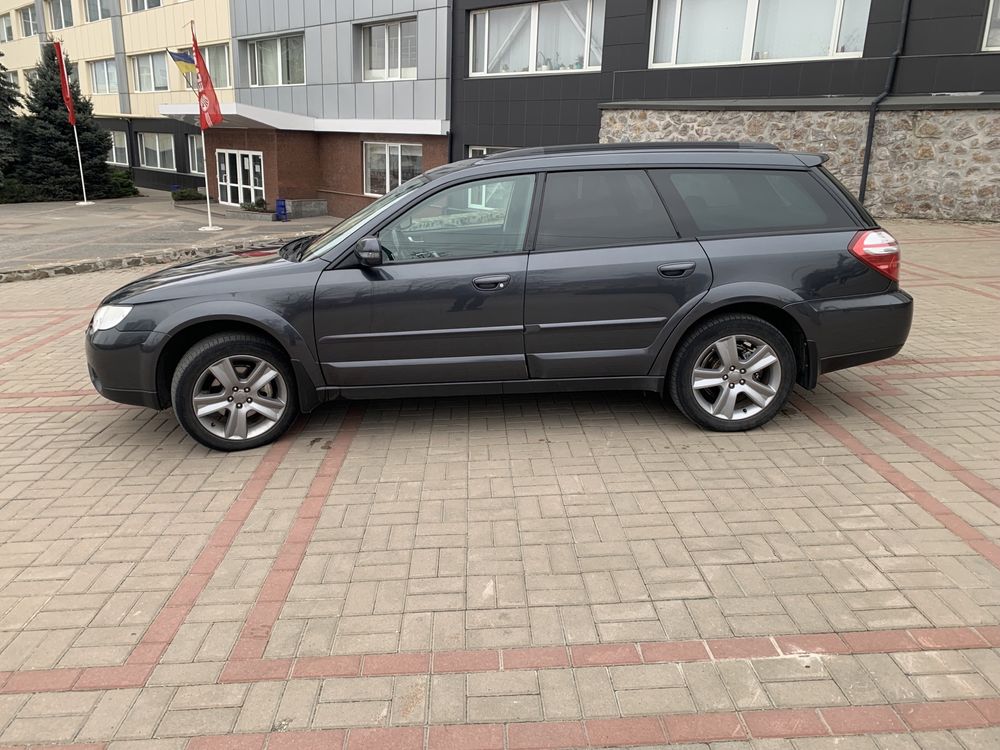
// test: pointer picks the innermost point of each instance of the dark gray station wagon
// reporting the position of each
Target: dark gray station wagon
(720, 274)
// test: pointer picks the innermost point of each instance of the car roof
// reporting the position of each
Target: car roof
(634, 155)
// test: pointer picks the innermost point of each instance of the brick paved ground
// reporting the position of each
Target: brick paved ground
(553, 572)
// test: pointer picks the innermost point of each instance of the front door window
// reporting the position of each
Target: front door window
(241, 176)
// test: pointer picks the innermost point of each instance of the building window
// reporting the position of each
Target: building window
(156, 151)
(150, 72)
(98, 9)
(478, 152)
(29, 22)
(389, 165)
(390, 51)
(196, 155)
(11, 76)
(30, 76)
(104, 77)
(61, 12)
(276, 62)
(119, 148)
(6, 28)
(725, 32)
(993, 27)
(138, 5)
(556, 36)
(217, 59)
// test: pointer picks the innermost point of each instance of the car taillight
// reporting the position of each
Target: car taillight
(877, 249)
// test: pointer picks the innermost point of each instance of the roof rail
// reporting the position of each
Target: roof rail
(633, 146)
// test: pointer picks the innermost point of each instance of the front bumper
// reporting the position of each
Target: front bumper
(122, 365)
(853, 331)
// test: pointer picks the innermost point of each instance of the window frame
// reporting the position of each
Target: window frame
(62, 5)
(133, 5)
(532, 43)
(252, 69)
(5, 35)
(137, 80)
(194, 146)
(114, 147)
(100, 10)
(366, 53)
(104, 64)
(487, 151)
(366, 182)
(204, 48)
(991, 11)
(140, 137)
(27, 13)
(749, 37)
(14, 77)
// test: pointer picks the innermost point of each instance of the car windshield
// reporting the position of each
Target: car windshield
(324, 242)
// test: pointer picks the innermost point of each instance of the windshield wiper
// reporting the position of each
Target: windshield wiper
(293, 250)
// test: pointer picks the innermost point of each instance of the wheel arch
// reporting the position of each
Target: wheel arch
(185, 334)
(806, 358)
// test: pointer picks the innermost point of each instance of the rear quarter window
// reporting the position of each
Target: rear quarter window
(751, 201)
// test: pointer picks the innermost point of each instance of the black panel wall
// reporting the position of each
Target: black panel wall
(942, 54)
(158, 179)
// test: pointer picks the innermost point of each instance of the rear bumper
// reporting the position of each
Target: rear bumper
(122, 365)
(855, 330)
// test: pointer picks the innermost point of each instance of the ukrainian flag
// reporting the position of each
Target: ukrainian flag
(184, 61)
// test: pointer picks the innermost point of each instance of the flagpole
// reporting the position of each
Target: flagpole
(79, 160)
(208, 198)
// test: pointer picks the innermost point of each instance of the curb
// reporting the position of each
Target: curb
(157, 257)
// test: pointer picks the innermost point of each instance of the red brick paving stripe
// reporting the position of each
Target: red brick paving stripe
(274, 591)
(687, 728)
(823, 643)
(605, 655)
(862, 720)
(924, 717)
(674, 651)
(550, 735)
(381, 665)
(327, 666)
(638, 730)
(445, 662)
(77, 327)
(962, 529)
(880, 642)
(41, 681)
(256, 670)
(36, 330)
(324, 739)
(785, 723)
(408, 738)
(742, 648)
(542, 657)
(228, 742)
(989, 708)
(113, 678)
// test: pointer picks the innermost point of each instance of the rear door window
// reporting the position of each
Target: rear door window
(614, 208)
(751, 201)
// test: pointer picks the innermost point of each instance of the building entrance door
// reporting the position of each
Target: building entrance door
(241, 176)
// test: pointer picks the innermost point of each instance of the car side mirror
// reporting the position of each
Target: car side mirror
(369, 251)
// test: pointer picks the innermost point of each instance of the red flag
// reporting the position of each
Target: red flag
(208, 102)
(64, 79)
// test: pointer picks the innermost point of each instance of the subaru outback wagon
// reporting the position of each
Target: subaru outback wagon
(720, 274)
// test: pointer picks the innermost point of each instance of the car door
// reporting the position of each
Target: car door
(447, 303)
(607, 276)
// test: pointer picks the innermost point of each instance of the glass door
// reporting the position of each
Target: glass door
(241, 176)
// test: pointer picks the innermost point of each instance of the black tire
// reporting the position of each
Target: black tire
(204, 355)
(694, 347)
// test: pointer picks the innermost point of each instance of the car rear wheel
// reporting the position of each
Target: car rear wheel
(234, 391)
(732, 373)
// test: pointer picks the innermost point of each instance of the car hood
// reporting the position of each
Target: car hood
(205, 275)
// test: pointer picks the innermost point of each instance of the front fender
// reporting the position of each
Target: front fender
(299, 349)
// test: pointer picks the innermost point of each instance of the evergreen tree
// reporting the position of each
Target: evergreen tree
(10, 98)
(47, 167)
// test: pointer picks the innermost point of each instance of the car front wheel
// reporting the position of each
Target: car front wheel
(234, 391)
(732, 373)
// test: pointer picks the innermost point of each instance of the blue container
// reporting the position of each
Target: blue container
(280, 210)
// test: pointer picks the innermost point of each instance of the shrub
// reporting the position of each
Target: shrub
(187, 194)
(259, 206)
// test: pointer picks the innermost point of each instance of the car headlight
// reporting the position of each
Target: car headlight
(108, 316)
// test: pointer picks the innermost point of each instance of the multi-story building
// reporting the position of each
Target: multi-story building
(804, 74)
(334, 99)
(118, 49)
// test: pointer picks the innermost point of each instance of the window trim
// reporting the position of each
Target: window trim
(749, 36)
(7, 38)
(125, 163)
(229, 67)
(145, 6)
(86, 12)
(22, 13)
(142, 151)
(152, 72)
(365, 52)
(105, 62)
(252, 72)
(61, 4)
(994, 7)
(532, 44)
(364, 164)
(195, 139)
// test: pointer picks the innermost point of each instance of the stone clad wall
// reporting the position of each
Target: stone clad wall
(932, 164)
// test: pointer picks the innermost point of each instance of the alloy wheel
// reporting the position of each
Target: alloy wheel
(736, 377)
(240, 397)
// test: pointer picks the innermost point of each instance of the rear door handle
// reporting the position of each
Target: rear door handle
(676, 270)
(491, 283)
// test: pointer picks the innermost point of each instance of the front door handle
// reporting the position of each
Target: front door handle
(491, 283)
(676, 270)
